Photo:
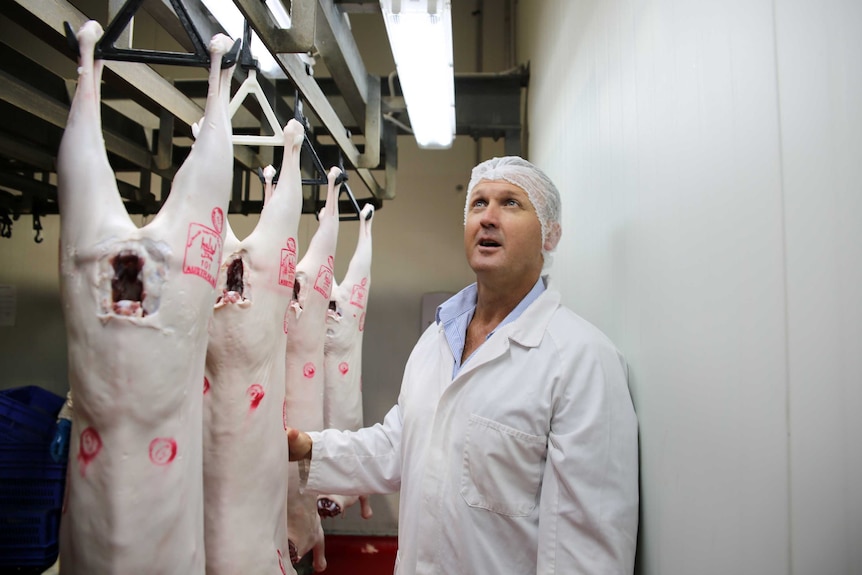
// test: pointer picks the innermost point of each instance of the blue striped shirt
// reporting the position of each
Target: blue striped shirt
(457, 311)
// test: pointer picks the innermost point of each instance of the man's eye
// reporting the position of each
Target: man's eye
(478, 203)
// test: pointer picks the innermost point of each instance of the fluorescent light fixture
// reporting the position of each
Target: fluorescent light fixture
(420, 34)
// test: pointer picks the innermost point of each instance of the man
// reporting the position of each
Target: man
(514, 440)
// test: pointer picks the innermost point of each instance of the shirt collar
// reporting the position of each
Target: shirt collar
(454, 316)
(465, 302)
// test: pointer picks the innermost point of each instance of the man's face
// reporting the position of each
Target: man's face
(503, 233)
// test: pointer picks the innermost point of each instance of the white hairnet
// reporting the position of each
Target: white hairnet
(540, 190)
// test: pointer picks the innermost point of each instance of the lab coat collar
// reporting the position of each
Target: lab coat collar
(528, 331)
(530, 327)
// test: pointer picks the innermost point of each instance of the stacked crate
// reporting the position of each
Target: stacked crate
(31, 482)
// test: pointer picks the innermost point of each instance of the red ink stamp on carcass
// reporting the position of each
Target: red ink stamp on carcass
(323, 283)
(284, 413)
(217, 217)
(89, 447)
(359, 294)
(163, 450)
(280, 563)
(203, 249)
(284, 321)
(362, 322)
(343, 368)
(308, 370)
(255, 395)
(287, 268)
(206, 385)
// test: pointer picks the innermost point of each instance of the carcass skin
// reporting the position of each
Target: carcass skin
(136, 304)
(245, 454)
(342, 401)
(306, 320)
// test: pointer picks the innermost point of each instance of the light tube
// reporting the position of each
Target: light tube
(420, 34)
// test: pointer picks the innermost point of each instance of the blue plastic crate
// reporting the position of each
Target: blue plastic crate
(28, 561)
(28, 414)
(31, 500)
(29, 528)
(29, 478)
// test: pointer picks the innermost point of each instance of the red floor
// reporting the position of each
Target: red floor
(359, 555)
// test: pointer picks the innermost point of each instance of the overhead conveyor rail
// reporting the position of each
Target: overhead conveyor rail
(352, 117)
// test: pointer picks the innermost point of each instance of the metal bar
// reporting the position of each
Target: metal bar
(358, 6)
(370, 157)
(139, 76)
(35, 188)
(107, 50)
(164, 156)
(13, 148)
(25, 98)
(338, 49)
(311, 92)
(372, 185)
(390, 153)
(124, 38)
(296, 39)
(361, 91)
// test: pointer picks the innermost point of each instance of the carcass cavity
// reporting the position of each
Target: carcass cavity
(328, 508)
(234, 286)
(127, 287)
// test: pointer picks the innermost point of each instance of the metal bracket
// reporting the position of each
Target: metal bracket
(106, 50)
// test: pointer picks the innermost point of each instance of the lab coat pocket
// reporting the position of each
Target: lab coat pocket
(502, 467)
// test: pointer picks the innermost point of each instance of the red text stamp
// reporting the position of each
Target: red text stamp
(323, 283)
(287, 267)
(359, 295)
(203, 249)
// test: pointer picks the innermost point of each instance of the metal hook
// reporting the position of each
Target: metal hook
(37, 225)
(5, 224)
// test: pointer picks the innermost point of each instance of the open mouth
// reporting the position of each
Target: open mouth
(488, 244)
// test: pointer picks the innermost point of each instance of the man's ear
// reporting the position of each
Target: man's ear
(554, 233)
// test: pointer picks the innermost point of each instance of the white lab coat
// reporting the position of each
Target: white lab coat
(525, 463)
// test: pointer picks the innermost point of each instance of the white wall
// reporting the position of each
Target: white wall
(708, 153)
(820, 82)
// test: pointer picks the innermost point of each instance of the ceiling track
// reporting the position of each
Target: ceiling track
(147, 118)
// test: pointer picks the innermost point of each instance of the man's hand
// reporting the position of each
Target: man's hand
(298, 444)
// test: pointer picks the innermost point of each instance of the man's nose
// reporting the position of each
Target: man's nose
(490, 215)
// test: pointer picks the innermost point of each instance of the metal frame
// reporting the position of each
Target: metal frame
(488, 105)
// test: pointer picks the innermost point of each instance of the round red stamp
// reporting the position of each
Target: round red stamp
(163, 450)
(308, 370)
